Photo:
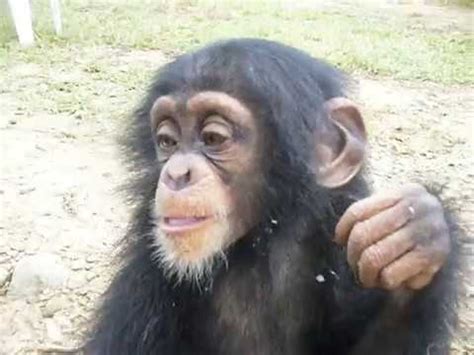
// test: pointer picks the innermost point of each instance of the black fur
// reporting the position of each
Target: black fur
(286, 288)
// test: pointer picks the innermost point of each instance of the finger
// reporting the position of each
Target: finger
(362, 210)
(419, 281)
(379, 255)
(408, 266)
(437, 254)
(374, 229)
(370, 206)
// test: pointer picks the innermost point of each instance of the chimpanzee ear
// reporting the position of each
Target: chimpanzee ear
(341, 145)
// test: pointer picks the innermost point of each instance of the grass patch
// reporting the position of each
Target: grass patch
(385, 45)
(465, 3)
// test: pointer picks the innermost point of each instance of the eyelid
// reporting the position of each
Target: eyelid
(218, 128)
(168, 127)
(217, 120)
(160, 119)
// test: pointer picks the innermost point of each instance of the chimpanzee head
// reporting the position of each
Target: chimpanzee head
(234, 134)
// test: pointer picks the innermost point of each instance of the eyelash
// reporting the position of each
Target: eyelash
(213, 139)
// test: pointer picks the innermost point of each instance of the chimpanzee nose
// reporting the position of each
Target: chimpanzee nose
(177, 175)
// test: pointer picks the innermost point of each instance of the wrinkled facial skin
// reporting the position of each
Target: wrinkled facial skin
(208, 191)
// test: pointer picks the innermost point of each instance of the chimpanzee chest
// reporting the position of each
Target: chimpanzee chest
(273, 309)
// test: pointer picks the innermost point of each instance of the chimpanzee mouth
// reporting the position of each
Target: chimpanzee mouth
(173, 225)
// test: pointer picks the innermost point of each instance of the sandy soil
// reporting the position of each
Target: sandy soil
(60, 173)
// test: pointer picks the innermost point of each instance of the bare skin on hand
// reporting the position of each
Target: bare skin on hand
(395, 239)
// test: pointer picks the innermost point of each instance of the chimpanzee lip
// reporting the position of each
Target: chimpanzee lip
(179, 224)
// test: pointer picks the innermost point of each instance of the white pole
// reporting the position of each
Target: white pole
(21, 14)
(56, 11)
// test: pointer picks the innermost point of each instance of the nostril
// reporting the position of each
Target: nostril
(187, 177)
(183, 181)
(177, 181)
(168, 181)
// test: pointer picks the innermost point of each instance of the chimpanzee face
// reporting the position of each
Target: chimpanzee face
(209, 187)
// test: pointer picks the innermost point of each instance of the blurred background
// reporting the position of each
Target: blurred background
(64, 98)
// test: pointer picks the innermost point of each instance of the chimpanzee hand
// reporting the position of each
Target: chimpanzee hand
(395, 239)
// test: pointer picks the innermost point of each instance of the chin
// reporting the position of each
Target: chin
(191, 255)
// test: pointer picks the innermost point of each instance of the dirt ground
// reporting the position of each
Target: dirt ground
(60, 174)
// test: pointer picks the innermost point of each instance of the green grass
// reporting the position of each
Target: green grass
(465, 3)
(366, 43)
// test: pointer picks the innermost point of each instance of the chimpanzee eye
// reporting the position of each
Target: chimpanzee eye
(213, 139)
(166, 142)
(216, 132)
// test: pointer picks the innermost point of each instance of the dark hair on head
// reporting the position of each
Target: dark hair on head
(286, 89)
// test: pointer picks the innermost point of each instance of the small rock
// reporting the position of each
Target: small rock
(4, 275)
(77, 281)
(17, 245)
(469, 291)
(97, 285)
(53, 331)
(83, 301)
(27, 190)
(77, 265)
(47, 295)
(54, 305)
(35, 273)
(91, 258)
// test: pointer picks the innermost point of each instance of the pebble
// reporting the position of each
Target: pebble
(77, 265)
(53, 331)
(54, 305)
(33, 274)
(469, 290)
(77, 281)
(91, 258)
(4, 275)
